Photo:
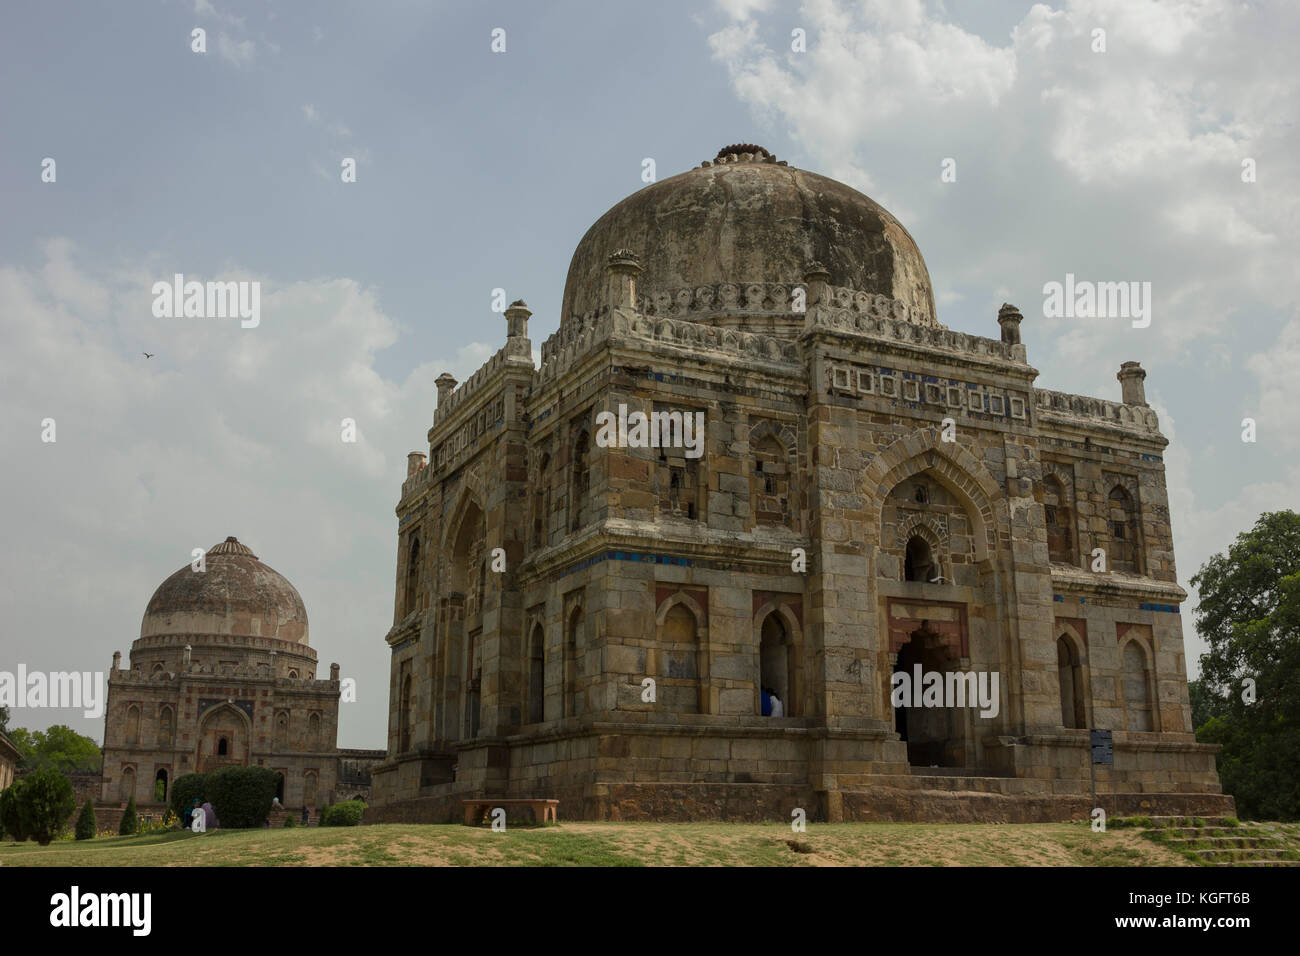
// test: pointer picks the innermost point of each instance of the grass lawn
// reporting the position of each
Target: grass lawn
(616, 844)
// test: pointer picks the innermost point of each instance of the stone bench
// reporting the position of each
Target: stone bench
(543, 810)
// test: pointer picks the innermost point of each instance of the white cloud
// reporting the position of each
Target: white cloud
(1278, 371)
(1116, 166)
(225, 431)
(239, 53)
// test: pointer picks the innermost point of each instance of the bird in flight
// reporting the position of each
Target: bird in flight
(148, 354)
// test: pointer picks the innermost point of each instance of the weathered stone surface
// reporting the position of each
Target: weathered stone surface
(222, 675)
(875, 493)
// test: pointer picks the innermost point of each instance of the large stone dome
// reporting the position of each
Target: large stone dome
(236, 594)
(746, 218)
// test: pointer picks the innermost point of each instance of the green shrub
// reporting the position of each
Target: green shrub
(44, 804)
(1117, 823)
(343, 814)
(289, 823)
(130, 824)
(187, 789)
(11, 821)
(86, 821)
(241, 796)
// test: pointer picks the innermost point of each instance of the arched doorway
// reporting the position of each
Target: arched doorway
(935, 734)
(1070, 678)
(160, 787)
(776, 662)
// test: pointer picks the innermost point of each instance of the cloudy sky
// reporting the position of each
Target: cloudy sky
(479, 170)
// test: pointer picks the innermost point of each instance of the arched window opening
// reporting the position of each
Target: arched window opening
(573, 639)
(166, 727)
(223, 747)
(581, 482)
(542, 503)
(412, 574)
(404, 715)
(1070, 678)
(536, 678)
(919, 564)
(1058, 518)
(1123, 532)
(313, 731)
(281, 737)
(474, 683)
(770, 483)
(160, 787)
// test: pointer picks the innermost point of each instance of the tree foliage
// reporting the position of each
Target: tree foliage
(86, 821)
(346, 814)
(1250, 616)
(185, 790)
(130, 824)
(1206, 704)
(241, 796)
(45, 803)
(58, 748)
(11, 820)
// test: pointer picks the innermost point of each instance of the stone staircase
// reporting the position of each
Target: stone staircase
(1222, 841)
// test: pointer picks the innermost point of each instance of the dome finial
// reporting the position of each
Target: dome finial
(740, 151)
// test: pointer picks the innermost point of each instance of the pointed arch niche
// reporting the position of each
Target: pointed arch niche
(778, 644)
(679, 659)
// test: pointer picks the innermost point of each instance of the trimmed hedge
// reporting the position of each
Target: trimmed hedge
(343, 814)
(45, 803)
(86, 821)
(241, 796)
(187, 789)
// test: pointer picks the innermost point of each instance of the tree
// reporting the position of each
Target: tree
(4, 720)
(1250, 616)
(185, 790)
(241, 796)
(130, 824)
(86, 821)
(11, 820)
(58, 748)
(45, 803)
(1206, 704)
